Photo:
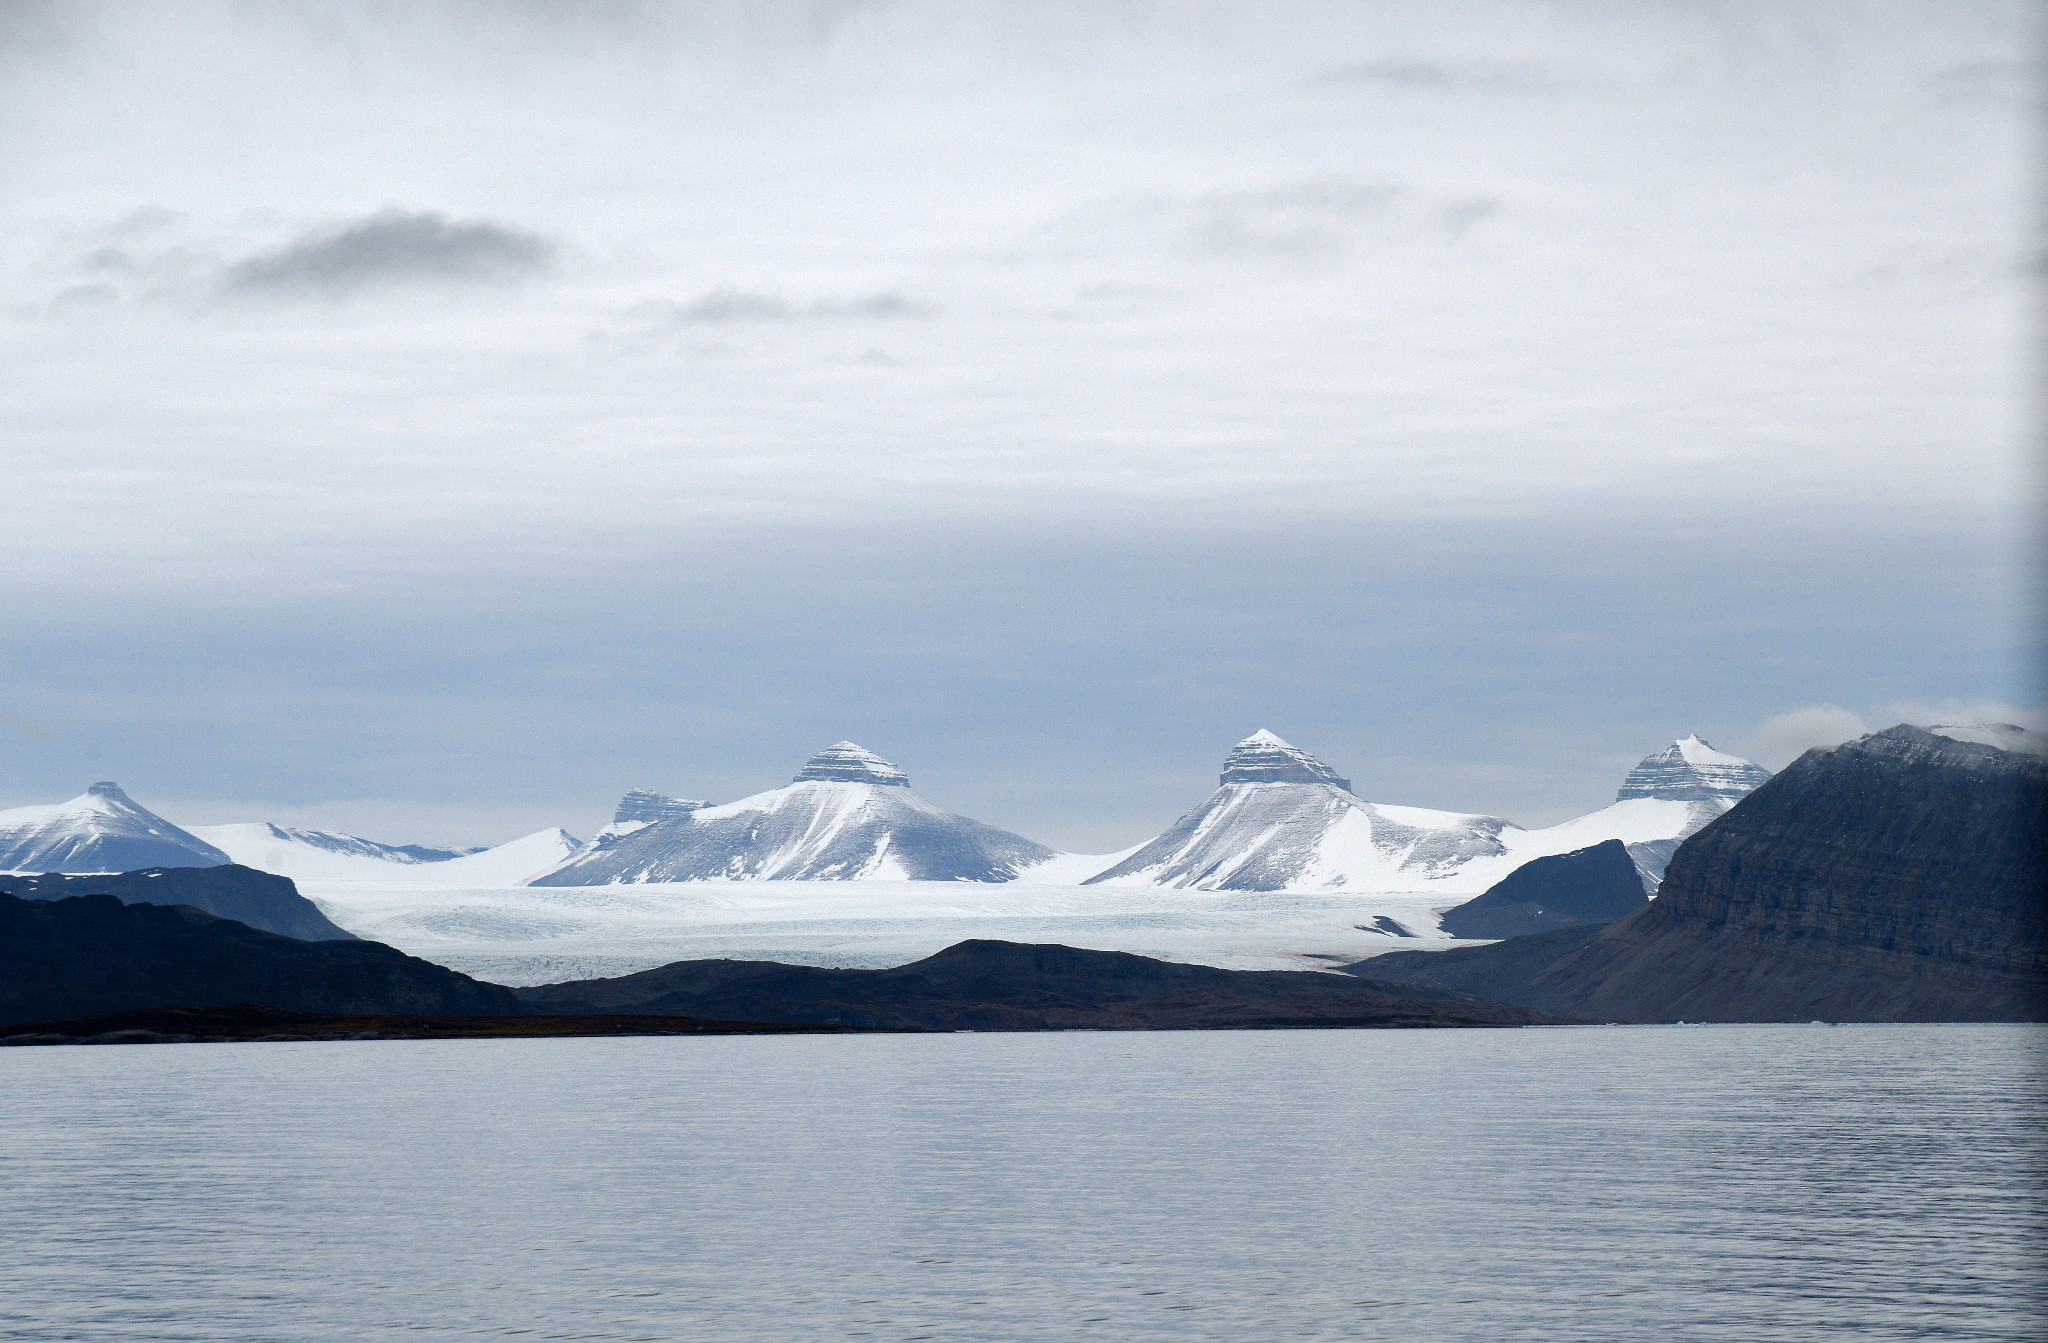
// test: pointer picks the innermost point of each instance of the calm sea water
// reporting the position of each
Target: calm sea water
(1738, 1183)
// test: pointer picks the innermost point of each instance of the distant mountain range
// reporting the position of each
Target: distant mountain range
(1280, 819)
(1900, 877)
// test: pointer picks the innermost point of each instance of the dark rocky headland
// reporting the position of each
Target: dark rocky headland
(1895, 878)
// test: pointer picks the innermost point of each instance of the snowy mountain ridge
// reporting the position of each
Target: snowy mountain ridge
(848, 815)
(222, 836)
(312, 855)
(1281, 819)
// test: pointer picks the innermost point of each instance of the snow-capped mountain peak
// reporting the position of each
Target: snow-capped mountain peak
(846, 762)
(1690, 770)
(1281, 819)
(100, 830)
(1264, 758)
(848, 815)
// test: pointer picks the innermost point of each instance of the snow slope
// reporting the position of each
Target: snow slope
(849, 815)
(100, 830)
(313, 856)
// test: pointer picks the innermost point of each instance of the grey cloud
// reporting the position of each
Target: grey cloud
(1985, 82)
(394, 247)
(1450, 76)
(1313, 221)
(742, 305)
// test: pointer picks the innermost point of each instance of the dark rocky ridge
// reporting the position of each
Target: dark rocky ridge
(1566, 890)
(987, 985)
(244, 1022)
(259, 899)
(1896, 878)
(89, 954)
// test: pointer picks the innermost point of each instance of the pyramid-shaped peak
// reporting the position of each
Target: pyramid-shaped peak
(1690, 770)
(108, 789)
(846, 762)
(1264, 758)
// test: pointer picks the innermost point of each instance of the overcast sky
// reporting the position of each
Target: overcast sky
(431, 420)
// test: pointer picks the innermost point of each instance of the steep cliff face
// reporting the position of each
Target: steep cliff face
(1904, 843)
(1896, 878)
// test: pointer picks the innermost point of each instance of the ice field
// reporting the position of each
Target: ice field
(543, 934)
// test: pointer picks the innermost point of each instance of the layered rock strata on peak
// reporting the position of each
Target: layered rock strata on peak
(1689, 770)
(849, 815)
(100, 830)
(844, 762)
(1265, 758)
(1901, 877)
(644, 807)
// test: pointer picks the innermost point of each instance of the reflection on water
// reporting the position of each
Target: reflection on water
(1738, 1183)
